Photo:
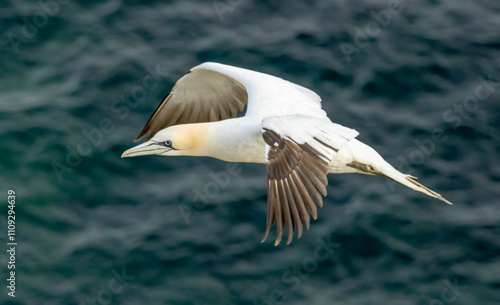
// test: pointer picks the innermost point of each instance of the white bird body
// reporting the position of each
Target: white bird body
(284, 127)
(236, 140)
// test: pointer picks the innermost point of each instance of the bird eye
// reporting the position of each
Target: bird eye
(168, 143)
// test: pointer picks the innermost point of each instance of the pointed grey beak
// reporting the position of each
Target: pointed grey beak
(148, 148)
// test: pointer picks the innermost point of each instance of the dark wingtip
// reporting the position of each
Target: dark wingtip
(278, 238)
(139, 138)
(265, 235)
(144, 135)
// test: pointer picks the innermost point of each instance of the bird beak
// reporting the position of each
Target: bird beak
(148, 148)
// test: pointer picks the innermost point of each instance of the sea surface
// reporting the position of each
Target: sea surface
(419, 80)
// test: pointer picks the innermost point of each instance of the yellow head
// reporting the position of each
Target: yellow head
(178, 140)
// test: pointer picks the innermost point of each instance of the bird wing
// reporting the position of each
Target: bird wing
(298, 151)
(212, 92)
(202, 95)
(269, 95)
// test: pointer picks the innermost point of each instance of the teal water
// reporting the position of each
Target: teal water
(419, 81)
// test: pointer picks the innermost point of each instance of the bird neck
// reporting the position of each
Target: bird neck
(196, 138)
(235, 140)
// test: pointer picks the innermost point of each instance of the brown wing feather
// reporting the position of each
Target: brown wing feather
(200, 96)
(297, 180)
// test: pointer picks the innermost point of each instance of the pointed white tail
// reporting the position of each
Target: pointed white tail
(365, 155)
(407, 180)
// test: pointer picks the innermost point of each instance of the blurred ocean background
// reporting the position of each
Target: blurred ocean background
(418, 80)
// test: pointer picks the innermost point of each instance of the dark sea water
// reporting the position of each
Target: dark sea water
(418, 80)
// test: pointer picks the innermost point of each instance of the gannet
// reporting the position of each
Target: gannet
(283, 127)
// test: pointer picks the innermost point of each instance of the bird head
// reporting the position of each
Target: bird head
(178, 140)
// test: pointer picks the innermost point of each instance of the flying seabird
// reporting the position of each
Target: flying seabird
(284, 127)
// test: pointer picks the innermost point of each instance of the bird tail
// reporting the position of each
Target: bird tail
(410, 182)
(370, 162)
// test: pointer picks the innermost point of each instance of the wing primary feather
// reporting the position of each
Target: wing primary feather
(311, 191)
(279, 214)
(304, 196)
(286, 209)
(174, 117)
(232, 110)
(223, 111)
(270, 208)
(195, 113)
(304, 215)
(212, 116)
(293, 207)
(319, 175)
